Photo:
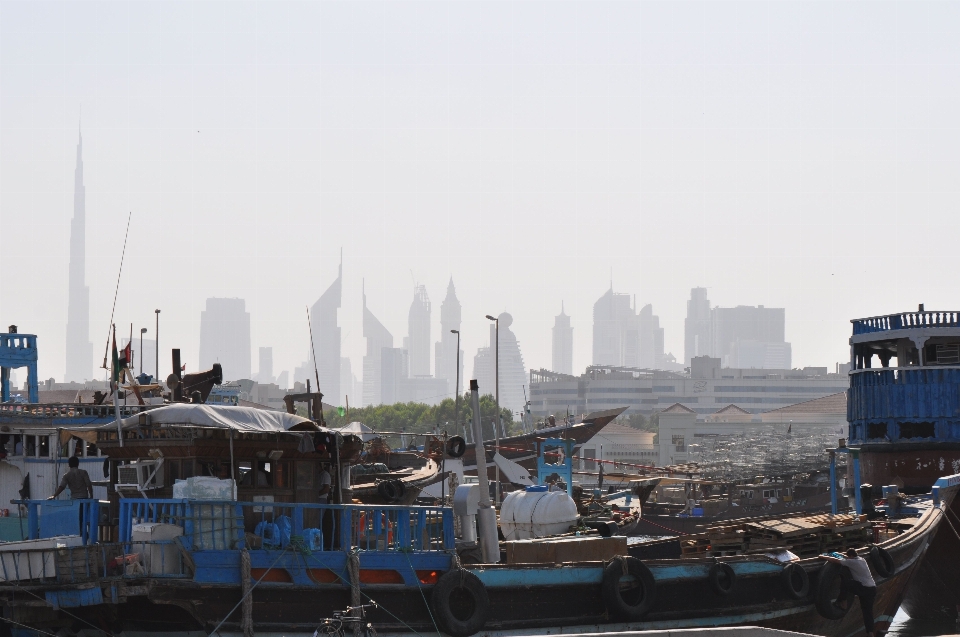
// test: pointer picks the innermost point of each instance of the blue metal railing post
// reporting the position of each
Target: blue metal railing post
(403, 528)
(33, 520)
(449, 541)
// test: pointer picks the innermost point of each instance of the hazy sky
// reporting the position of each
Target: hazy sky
(792, 154)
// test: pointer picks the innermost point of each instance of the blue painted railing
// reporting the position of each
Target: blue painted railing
(905, 320)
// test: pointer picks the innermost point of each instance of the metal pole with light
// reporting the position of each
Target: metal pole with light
(157, 334)
(456, 418)
(496, 422)
(143, 331)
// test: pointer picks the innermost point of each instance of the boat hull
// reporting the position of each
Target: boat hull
(536, 599)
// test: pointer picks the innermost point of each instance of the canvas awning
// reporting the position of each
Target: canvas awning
(359, 430)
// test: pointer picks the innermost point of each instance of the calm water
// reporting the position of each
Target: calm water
(904, 626)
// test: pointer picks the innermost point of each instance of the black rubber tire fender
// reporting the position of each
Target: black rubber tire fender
(639, 598)
(795, 581)
(460, 603)
(824, 599)
(388, 490)
(882, 561)
(723, 578)
(456, 447)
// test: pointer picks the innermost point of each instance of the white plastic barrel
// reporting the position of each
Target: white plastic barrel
(536, 512)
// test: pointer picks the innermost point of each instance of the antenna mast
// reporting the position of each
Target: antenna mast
(122, 254)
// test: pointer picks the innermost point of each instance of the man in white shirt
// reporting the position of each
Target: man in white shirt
(326, 483)
(860, 583)
(326, 517)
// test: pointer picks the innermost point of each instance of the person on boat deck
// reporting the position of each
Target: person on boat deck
(326, 482)
(860, 583)
(77, 479)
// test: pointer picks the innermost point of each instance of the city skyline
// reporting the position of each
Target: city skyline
(527, 173)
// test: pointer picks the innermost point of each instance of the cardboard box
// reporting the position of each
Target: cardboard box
(566, 549)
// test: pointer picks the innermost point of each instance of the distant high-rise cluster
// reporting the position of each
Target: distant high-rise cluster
(225, 337)
(418, 330)
(79, 347)
(741, 337)
(622, 337)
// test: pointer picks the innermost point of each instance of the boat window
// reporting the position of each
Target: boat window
(918, 430)
(877, 430)
(943, 354)
(173, 466)
(44, 446)
(245, 474)
(768, 493)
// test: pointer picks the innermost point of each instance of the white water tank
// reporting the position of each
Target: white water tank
(536, 512)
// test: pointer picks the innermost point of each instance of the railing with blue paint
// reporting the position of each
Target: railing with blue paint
(230, 525)
(87, 563)
(905, 320)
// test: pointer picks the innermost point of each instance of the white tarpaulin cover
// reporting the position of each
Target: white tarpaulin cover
(219, 417)
(360, 430)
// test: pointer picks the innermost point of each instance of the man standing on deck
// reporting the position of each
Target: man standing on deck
(77, 479)
(326, 517)
(860, 583)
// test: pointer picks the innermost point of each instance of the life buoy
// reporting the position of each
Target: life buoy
(460, 603)
(723, 578)
(828, 589)
(365, 534)
(456, 447)
(882, 561)
(628, 588)
(795, 581)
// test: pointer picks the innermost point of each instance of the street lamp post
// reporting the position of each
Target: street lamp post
(496, 422)
(143, 330)
(456, 418)
(157, 334)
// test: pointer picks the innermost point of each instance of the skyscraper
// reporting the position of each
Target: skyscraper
(651, 339)
(377, 338)
(446, 347)
(265, 367)
(616, 331)
(513, 373)
(325, 326)
(697, 339)
(562, 343)
(750, 337)
(418, 329)
(79, 348)
(225, 337)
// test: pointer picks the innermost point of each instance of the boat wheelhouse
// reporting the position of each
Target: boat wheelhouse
(904, 402)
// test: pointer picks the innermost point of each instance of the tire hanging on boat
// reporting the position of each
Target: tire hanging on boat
(723, 578)
(460, 603)
(456, 447)
(795, 581)
(824, 597)
(390, 490)
(882, 561)
(631, 600)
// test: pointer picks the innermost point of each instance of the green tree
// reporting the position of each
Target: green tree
(414, 418)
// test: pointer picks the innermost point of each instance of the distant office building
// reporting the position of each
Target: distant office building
(651, 339)
(225, 337)
(746, 336)
(324, 323)
(348, 383)
(265, 367)
(562, 343)
(377, 338)
(418, 330)
(446, 348)
(79, 348)
(283, 380)
(706, 389)
(741, 337)
(696, 327)
(513, 374)
(394, 369)
(616, 331)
